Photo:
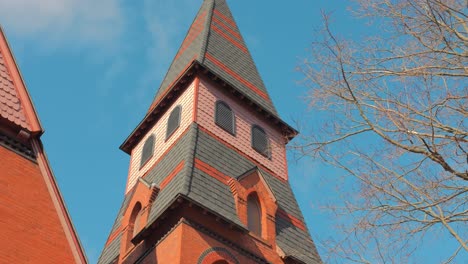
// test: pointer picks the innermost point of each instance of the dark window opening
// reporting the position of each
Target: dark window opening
(173, 122)
(224, 117)
(134, 223)
(260, 141)
(254, 215)
(147, 151)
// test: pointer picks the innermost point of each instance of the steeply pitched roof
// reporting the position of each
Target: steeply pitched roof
(15, 103)
(214, 40)
(10, 106)
(20, 131)
(215, 46)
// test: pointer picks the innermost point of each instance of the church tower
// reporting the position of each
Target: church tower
(208, 178)
(34, 223)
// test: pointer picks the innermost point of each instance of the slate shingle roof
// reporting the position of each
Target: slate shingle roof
(111, 251)
(214, 40)
(293, 240)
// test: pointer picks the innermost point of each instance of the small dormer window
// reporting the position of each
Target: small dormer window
(224, 117)
(173, 122)
(147, 151)
(254, 215)
(260, 141)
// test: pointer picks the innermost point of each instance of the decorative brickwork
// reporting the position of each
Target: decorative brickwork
(253, 182)
(212, 255)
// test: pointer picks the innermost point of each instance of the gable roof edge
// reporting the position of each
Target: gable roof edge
(23, 94)
(64, 216)
(206, 37)
(262, 178)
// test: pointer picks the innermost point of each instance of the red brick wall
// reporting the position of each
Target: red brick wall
(184, 241)
(167, 251)
(30, 229)
(195, 243)
(186, 245)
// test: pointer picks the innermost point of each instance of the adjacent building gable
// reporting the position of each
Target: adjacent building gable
(35, 222)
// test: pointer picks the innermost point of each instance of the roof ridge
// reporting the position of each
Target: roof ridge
(215, 42)
(191, 157)
(206, 37)
(179, 51)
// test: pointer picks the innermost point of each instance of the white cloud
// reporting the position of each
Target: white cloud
(75, 22)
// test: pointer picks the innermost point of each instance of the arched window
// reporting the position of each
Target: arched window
(173, 122)
(260, 141)
(147, 151)
(254, 215)
(224, 117)
(133, 224)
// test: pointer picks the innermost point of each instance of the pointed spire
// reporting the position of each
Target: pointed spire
(215, 42)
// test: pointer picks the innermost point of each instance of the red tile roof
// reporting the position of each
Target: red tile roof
(10, 105)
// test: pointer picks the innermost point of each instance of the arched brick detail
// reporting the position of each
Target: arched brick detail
(142, 197)
(252, 182)
(214, 254)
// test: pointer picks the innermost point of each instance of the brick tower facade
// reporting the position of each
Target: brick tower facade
(208, 179)
(34, 223)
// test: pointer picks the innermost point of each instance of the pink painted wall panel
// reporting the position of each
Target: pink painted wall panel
(209, 95)
(186, 101)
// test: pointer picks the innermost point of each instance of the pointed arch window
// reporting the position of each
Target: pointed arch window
(254, 215)
(260, 141)
(133, 224)
(147, 151)
(224, 117)
(137, 220)
(173, 122)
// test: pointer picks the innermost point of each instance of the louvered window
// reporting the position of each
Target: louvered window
(173, 122)
(254, 215)
(224, 117)
(260, 141)
(147, 151)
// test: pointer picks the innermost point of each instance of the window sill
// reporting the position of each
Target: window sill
(146, 162)
(171, 134)
(229, 132)
(260, 239)
(268, 156)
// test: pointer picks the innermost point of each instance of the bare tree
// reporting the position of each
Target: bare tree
(393, 110)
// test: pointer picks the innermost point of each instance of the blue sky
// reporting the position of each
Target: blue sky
(93, 67)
